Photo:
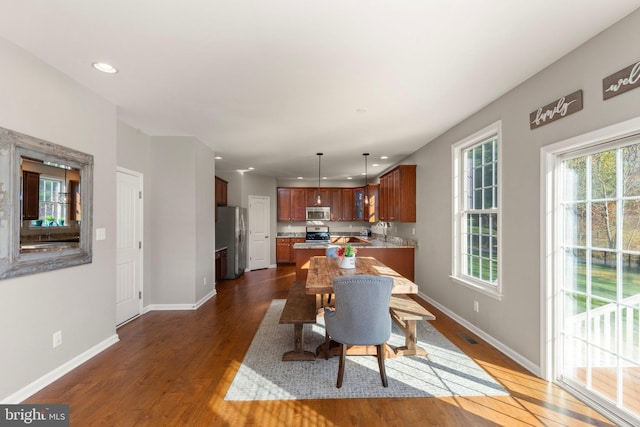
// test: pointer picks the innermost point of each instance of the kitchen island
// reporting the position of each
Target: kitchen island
(399, 257)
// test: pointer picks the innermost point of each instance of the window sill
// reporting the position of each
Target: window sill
(486, 290)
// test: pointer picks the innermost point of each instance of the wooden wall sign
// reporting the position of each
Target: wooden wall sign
(621, 82)
(556, 110)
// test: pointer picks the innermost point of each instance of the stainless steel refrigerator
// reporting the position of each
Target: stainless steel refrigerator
(231, 233)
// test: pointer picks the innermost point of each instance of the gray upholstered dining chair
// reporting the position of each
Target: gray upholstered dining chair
(361, 316)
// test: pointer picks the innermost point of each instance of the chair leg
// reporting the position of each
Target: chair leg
(383, 372)
(343, 355)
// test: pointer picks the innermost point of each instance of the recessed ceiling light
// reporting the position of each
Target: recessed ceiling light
(218, 158)
(384, 157)
(324, 177)
(300, 177)
(251, 168)
(349, 177)
(105, 68)
(375, 165)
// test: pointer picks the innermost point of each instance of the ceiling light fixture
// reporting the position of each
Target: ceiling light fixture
(366, 190)
(104, 67)
(319, 199)
(384, 157)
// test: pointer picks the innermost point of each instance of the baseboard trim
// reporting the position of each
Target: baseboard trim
(169, 307)
(513, 355)
(58, 372)
(205, 298)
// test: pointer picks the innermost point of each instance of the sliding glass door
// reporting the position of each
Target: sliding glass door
(598, 277)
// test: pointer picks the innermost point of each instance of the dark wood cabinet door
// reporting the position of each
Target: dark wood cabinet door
(284, 204)
(221, 192)
(30, 195)
(283, 251)
(298, 204)
(372, 209)
(348, 204)
(398, 194)
(336, 205)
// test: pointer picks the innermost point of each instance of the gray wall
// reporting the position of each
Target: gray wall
(515, 320)
(80, 301)
(241, 186)
(134, 153)
(178, 214)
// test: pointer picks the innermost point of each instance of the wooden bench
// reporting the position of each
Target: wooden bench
(405, 312)
(299, 309)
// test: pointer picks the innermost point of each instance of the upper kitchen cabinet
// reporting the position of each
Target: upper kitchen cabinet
(371, 209)
(312, 197)
(398, 194)
(221, 192)
(291, 204)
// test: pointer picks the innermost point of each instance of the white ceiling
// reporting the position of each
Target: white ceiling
(267, 84)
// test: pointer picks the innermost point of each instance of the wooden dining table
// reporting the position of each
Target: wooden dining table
(322, 271)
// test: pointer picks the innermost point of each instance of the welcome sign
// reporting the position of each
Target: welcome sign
(556, 110)
(622, 81)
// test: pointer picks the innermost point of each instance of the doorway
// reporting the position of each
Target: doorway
(592, 247)
(129, 275)
(259, 225)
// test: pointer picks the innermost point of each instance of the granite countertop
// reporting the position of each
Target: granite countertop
(373, 243)
(291, 234)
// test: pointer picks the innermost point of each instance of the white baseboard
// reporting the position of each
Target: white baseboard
(514, 355)
(169, 307)
(58, 372)
(206, 298)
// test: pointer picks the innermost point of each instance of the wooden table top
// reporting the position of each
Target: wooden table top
(322, 271)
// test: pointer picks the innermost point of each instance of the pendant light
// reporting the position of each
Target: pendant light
(319, 199)
(64, 197)
(366, 183)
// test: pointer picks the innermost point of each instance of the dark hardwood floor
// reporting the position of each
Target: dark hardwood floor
(174, 368)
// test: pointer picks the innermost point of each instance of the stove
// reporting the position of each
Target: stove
(317, 234)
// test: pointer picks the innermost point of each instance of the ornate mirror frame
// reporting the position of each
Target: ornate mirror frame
(14, 147)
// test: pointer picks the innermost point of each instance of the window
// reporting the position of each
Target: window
(51, 210)
(476, 208)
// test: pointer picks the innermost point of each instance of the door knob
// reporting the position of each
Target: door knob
(266, 237)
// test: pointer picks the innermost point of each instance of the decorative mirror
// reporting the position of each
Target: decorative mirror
(45, 205)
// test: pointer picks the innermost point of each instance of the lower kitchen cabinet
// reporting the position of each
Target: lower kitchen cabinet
(285, 254)
(221, 264)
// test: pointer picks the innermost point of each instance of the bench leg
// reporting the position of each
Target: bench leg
(298, 352)
(411, 347)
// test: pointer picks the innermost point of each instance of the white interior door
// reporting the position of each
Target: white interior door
(129, 245)
(259, 219)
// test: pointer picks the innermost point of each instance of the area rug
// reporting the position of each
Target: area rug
(445, 371)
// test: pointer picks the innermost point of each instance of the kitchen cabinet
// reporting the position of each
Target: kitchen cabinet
(221, 192)
(336, 204)
(348, 204)
(312, 197)
(285, 254)
(371, 209)
(221, 264)
(291, 204)
(30, 195)
(398, 194)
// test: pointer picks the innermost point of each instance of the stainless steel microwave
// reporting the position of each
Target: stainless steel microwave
(318, 213)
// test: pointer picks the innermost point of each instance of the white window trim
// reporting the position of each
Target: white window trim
(494, 129)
